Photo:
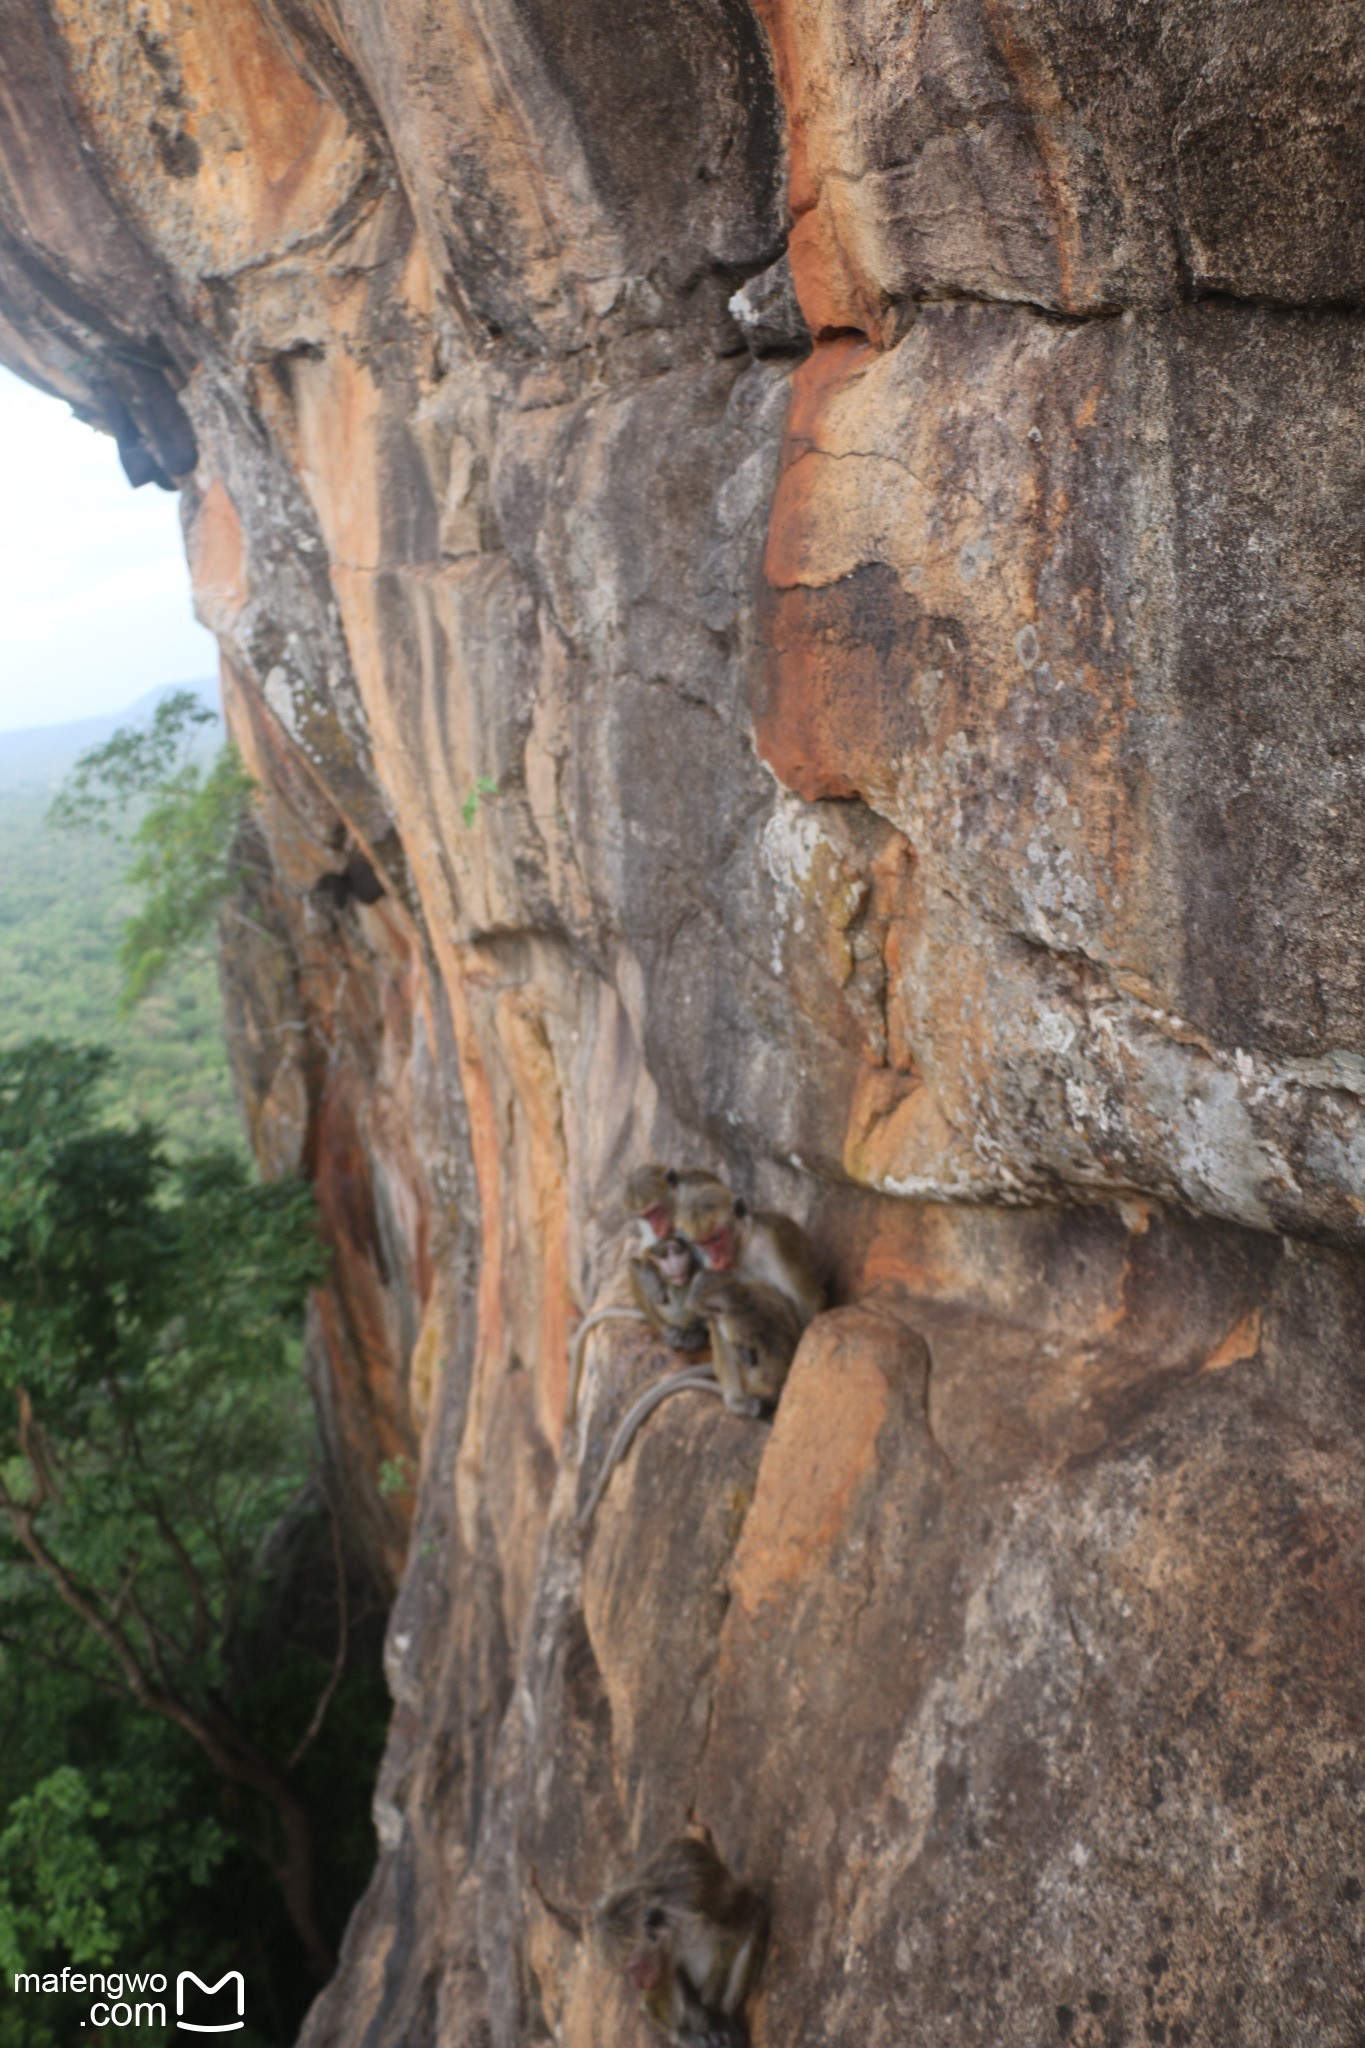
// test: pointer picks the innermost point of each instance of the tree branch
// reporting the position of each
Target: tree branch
(23, 1648)
(328, 1692)
(199, 1637)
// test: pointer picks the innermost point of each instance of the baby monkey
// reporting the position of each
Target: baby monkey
(690, 1940)
(662, 1281)
(754, 1331)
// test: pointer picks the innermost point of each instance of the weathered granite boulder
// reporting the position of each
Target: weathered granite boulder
(791, 577)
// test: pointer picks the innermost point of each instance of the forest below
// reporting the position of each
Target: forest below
(190, 1688)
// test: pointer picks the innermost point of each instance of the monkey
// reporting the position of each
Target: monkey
(662, 1280)
(356, 881)
(696, 1379)
(754, 1333)
(690, 1940)
(649, 1204)
(752, 1244)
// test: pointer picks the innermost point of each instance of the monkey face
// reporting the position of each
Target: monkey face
(707, 1215)
(650, 1961)
(646, 1969)
(717, 1252)
(649, 1200)
(632, 1922)
(673, 1261)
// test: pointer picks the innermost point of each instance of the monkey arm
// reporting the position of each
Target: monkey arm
(696, 1379)
(678, 2012)
(724, 1353)
(588, 1324)
(648, 1288)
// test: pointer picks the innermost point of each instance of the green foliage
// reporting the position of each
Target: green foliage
(469, 809)
(187, 814)
(90, 1862)
(153, 1431)
(394, 1477)
(147, 1309)
(64, 898)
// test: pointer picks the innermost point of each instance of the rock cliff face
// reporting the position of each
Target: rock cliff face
(791, 577)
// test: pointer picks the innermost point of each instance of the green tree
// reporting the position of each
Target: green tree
(187, 811)
(153, 1431)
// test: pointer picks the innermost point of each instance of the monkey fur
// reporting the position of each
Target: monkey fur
(752, 1244)
(770, 1292)
(662, 1280)
(649, 1204)
(754, 1332)
(690, 1940)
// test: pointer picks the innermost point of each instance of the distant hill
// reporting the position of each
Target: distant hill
(38, 756)
(62, 906)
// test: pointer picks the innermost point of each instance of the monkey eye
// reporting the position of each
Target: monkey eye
(715, 1240)
(654, 1919)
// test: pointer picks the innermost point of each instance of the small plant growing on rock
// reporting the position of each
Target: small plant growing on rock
(469, 809)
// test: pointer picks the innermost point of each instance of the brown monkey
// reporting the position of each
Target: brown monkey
(649, 1208)
(752, 1244)
(649, 1204)
(661, 1279)
(754, 1333)
(690, 1940)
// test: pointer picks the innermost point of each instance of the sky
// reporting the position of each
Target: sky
(94, 592)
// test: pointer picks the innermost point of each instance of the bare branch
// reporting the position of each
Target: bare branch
(202, 1629)
(328, 1692)
(154, 1636)
(45, 1486)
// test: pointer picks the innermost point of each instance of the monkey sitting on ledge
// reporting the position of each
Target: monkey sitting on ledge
(754, 1245)
(662, 1280)
(707, 1270)
(690, 1940)
(753, 1330)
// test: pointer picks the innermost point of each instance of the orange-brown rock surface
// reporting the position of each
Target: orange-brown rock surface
(791, 577)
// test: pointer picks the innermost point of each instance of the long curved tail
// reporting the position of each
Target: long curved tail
(693, 1379)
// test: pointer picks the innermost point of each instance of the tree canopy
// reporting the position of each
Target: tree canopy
(186, 810)
(154, 1432)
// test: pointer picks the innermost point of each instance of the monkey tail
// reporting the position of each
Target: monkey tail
(695, 1379)
(589, 1323)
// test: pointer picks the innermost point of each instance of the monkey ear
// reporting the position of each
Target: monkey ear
(671, 1175)
(741, 1207)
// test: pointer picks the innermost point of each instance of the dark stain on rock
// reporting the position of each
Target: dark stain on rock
(179, 153)
(834, 704)
(667, 101)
